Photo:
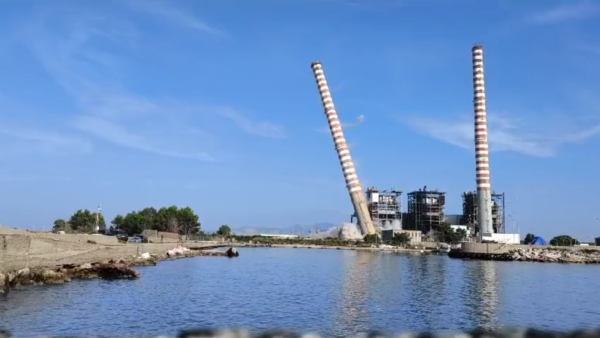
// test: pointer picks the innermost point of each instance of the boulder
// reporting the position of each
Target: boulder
(46, 276)
(232, 252)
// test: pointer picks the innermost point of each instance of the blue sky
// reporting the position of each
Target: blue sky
(214, 105)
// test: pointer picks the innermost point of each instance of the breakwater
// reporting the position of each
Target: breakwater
(121, 268)
(526, 253)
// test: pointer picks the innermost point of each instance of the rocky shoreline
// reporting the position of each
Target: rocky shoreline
(552, 255)
(121, 268)
(540, 255)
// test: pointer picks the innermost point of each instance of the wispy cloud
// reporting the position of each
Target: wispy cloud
(18, 178)
(260, 128)
(175, 15)
(504, 135)
(359, 120)
(119, 135)
(575, 10)
(15, 140)
(110, 111)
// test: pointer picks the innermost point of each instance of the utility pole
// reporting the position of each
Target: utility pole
(97, 228)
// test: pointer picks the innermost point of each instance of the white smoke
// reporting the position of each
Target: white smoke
(390, 225)
(348, 231)
(360, 119)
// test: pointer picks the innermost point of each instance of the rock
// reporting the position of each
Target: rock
(46, 276)
(232, 252)
(4, 283)
(178, 251)
(85, 266)
(145, 259)
(560, 255)
(105, 271)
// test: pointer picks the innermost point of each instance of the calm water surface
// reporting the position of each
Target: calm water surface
(333, 292)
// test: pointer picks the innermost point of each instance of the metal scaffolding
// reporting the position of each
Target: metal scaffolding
(469, 216)
(385, 207)
(426, 210)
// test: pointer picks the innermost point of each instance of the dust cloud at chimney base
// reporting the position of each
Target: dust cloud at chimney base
(350, 231)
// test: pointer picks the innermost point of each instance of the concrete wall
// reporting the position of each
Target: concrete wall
(76, 238)
(168, 235)
(21, 251)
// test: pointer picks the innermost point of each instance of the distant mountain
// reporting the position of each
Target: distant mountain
(297, 229)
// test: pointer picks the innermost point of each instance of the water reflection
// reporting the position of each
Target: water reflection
(352, 315)
(334, 292)
(482, 296)
(415, 293)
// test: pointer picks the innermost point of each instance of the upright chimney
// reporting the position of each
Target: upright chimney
(482, 159)
(343, 152)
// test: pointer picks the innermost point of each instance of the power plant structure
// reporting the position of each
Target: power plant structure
(426, 210)
(482, 208)
(335, 127)
(470, 212)
(385, 207)
(482, 159)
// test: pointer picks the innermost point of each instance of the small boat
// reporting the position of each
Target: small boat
(441, 251)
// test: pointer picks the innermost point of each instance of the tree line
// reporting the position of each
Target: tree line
(82, 221)
(183, 221)
(561, 240)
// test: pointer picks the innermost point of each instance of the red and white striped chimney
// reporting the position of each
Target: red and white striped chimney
(343, 152)
(482, 159)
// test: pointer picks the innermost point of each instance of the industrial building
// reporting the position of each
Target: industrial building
(483, 210)
(426, 210)
(470, 212)
(385, 207)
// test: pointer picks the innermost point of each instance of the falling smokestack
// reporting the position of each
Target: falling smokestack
(482, 160)
(352, 183)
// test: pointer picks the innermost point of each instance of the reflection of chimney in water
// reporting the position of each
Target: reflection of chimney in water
(482, 160)
(335, 127)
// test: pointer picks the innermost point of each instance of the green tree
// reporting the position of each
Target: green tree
(460, 235)
(400, 239)
(445, 234)
(188, 221)
(59, 225)
(224, 230)
(117, 222)
(85, 221)
(529, 238)
(149, 215)
(167, 219)
(133, 223)
(563, 240)
(374, 238)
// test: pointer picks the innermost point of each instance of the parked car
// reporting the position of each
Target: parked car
(135, 239)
